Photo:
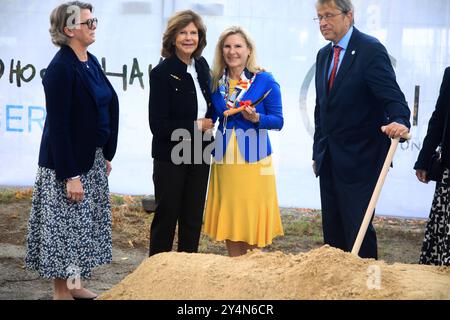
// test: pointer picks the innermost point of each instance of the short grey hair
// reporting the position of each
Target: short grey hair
(59, 19)
(343, 5)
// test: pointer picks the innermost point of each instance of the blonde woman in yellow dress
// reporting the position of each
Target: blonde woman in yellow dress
(242, 205)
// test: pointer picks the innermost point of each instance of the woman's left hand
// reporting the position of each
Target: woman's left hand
(250, 114)
(108, 168)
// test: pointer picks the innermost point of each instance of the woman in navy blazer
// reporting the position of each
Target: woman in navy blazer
(70, 221)
(242, 205)
(436, 243)
(180, 117)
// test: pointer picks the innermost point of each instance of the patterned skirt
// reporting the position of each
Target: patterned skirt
(436, 244)
(66, 239)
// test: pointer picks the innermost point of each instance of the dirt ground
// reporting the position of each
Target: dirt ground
(18, 283)
(399, 241)
(325, 273)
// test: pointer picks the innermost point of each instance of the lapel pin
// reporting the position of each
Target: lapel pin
(175, 77)
(353, 52)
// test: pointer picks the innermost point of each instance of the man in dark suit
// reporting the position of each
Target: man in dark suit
(359, 105)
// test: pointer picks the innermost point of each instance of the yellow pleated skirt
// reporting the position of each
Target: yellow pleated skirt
(242, 203)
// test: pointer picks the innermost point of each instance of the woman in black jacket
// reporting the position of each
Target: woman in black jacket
(436, 244)
(180, 117)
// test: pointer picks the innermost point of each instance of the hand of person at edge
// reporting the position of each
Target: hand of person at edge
(422, 176)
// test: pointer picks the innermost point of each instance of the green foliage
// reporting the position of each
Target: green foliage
(7, 196)
(117, 200)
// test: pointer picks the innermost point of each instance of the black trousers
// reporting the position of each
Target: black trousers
(344, 205)
(180, 192)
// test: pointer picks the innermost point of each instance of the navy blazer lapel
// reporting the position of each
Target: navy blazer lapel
(78, 67)
(82, 74)
(322, 66)
(329, 57)
(347, 61)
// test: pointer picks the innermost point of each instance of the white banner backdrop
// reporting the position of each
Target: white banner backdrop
(128, 44)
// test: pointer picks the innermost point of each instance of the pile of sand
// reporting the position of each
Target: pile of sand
(325, 273)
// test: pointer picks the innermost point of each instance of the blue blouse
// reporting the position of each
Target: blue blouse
(103, 96)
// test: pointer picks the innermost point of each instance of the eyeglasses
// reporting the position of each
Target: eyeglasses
(90, 23)
(327, 16)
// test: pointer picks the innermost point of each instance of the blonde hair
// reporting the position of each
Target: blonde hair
(177, 22)
(219, 61)
(59, 19)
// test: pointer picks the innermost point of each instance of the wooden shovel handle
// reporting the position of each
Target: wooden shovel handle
(407, 136)
(376, 194)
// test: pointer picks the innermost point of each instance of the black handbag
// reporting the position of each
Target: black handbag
(435, 168)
